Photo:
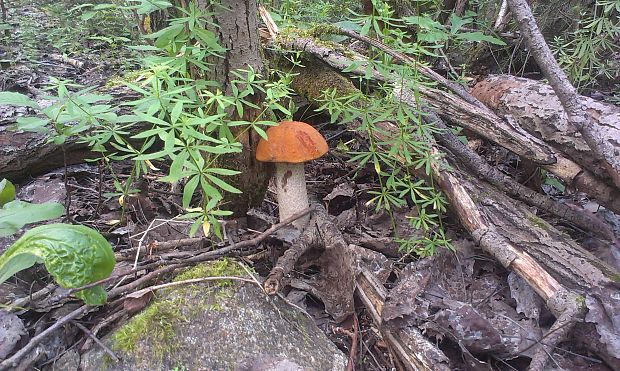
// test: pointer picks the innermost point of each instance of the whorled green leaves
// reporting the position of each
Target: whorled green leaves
(74, 255)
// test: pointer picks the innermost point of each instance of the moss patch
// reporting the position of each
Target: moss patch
(132, 77)
(538, 222)
(222, 267)
(155, 326)
(314, 79)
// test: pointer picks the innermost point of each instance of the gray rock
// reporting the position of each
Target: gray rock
(218, 327)
(12, 330)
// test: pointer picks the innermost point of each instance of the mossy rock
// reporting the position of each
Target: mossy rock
(219, 325)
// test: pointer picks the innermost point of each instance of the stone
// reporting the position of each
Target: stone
(218, 326)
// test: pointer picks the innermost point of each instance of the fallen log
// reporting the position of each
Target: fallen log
(25, 154)
(28, 154)
(561, 272)
(537, 109)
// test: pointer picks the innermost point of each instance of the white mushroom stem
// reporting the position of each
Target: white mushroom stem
(292, 193)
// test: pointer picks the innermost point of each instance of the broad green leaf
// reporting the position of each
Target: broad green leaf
(15, 214)
(10, 98)
(7, 192)
(457, 22)
(74, 255)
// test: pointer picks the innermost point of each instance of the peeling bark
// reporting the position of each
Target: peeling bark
(537, 109)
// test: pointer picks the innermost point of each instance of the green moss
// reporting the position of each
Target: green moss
(156, 324)
(132, 76)
(312, 80)
(218, 268)
(581, 301)
(538, 222)
(615, 277)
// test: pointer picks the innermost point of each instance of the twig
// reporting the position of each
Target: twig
(144, 234)
(19, 304)
(11, 362)
(103, 323)
(209, 255)
(354, 338)
(189, 281)
(96, 340)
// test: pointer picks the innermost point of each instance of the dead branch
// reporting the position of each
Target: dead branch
(415, 351)
(96, 340)
(606, 151)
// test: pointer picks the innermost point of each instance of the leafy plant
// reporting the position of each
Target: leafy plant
(74, 255)
(69, 114)
(191, 122)
(397, 157)
(585, 53)
(14, 214)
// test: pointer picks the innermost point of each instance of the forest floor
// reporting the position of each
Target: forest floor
(29, 58)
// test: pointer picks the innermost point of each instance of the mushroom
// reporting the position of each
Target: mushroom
(289, 145)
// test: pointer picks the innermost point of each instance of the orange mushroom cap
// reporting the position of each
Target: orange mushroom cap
(293, 142)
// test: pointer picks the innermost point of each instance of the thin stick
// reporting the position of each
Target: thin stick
(189, 281)
(11, 362)
(96, 340)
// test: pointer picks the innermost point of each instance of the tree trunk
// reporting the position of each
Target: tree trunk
(237, 31)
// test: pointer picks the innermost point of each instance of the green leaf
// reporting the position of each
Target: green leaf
(457, 22)
(32, 124)
(555, 183)
(74, 255)
(165, 36)
(7, 192)
(16, 214)
(479, 37)
(222, 184)
(16, 99)
(226, 172)
(189, 189)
